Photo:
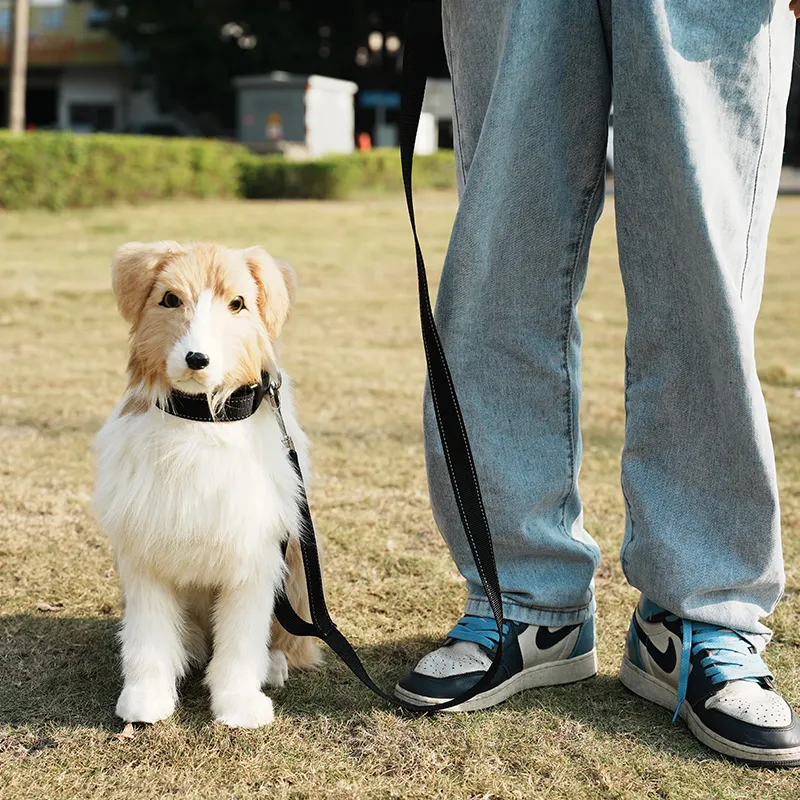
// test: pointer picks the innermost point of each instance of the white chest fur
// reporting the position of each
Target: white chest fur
(197, 502)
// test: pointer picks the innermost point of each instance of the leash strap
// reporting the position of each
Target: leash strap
(421, 41)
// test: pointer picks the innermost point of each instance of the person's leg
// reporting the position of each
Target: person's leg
(699, 109)
(700, 92)
(531, 88)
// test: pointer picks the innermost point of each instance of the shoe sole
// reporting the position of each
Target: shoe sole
(652, 689)
(553, 673)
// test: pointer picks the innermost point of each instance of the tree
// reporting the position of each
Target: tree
(18, 67)
(193, 48)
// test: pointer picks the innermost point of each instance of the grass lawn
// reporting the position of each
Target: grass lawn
(355, 352)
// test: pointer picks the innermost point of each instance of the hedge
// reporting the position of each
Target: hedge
(57, 170)
(341, 176)
(54, 170)
(276, 177)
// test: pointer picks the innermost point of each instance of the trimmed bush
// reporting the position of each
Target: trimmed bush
(382, 170)
(58, 170)
(275, 177)
(55, 170)
(341, 176)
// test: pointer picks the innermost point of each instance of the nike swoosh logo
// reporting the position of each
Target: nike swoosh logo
(665, 660)
(545, 638)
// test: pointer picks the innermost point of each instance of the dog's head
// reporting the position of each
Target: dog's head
(204, 318)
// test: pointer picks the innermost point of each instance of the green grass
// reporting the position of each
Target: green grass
(354, 350)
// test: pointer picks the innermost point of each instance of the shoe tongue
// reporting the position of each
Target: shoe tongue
(749, 701)
(647, 608)
(472, 651)
(458, 658)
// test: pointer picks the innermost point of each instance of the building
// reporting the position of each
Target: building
(77, 74)
(305, 115)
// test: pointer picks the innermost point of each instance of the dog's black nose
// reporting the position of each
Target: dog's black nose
(197, 360)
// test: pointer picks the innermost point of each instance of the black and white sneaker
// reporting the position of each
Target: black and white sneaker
(716, 681)
(532, 656)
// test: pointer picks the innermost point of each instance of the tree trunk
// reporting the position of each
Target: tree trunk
(18, 67)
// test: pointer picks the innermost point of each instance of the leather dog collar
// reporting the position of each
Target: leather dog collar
(243, 403)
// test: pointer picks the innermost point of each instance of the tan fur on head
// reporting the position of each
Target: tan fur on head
(206, 279)
(133, 271)
(277, 284)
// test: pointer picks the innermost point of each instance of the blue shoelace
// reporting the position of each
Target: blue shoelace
(729, 656)
(481, 630)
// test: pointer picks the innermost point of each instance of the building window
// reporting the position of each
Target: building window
(91, 117)
(5, 23)
(52, 19)
(98, 18)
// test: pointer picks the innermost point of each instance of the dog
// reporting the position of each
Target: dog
(196, 511)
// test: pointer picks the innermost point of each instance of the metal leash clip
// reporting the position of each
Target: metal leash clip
(274, 397)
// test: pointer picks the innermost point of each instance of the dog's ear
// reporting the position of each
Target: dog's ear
(133, 271)
(276, 282)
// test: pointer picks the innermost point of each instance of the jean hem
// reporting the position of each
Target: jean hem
(530, 615)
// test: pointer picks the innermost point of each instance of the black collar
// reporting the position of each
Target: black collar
(243, 403)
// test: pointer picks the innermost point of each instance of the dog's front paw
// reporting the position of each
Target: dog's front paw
(278, 669)
(243, 709)
(143, 703)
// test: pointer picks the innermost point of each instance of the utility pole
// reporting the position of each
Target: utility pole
(18, 66)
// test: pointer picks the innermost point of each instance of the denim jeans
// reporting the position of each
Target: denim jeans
(699, 90)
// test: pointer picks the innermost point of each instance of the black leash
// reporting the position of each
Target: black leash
(421, 41)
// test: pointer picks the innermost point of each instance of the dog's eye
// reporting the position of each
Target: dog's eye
(170, 300)
(236, 305)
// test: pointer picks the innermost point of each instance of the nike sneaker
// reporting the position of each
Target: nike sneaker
(533, 655)
(715, 680)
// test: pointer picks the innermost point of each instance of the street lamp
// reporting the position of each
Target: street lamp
(392, 43)
(231, 30)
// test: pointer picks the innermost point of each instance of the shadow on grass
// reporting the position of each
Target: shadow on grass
(63, 671)
(59, 670)
(601, 702)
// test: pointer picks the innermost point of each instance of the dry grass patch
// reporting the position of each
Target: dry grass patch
(354, 350)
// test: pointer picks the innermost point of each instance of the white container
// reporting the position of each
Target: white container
(427, 135)
(311, 112)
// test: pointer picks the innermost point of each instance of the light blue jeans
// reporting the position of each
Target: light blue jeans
(700, 90)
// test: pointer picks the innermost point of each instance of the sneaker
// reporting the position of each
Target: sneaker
(533, 655)
(715, 680)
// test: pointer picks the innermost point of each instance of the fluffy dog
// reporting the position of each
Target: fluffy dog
(196, 511)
